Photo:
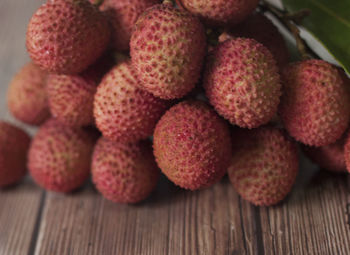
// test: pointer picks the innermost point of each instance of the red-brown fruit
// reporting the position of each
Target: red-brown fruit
(71, 99)
(124, 172)
(124, 112)
(315, 104)
(242, 82)
(122, 15)
(192, 145)
(14, 145)
(60, 156)
(329, 157)
(26, 97)
(347, 152)
(264, 165)
(66, 36)
(259, 27)
(220, 12)
(167, 50)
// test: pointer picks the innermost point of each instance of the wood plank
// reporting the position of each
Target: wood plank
(171, 221)
(19, 210)
(314, 220)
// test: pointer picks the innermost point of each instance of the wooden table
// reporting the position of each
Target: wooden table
(313, 220)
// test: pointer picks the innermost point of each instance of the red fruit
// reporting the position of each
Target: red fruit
(14, 144)
(124, 112)
(124, 173)
(123, 15)
(167, 50)
(219, 12)
(192, 145)
(315, 105)
(264, 165)
(60, 156)
(259, 27)
(71, 99)
(66, 36)
(26, 97)
(329, 157)
(242, 82)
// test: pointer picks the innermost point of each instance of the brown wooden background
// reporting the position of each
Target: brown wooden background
(313, 220)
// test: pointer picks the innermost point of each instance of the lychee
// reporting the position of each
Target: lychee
(26, 97)
(123, 15)
(167, 50)
(192, 145)
(242, 82)
(66, 36)
(60, 156)
(124, 172)
(14, 145)
(329, 157)
(257, 26)
(264, 165)
(347, 152)
(123, 111)
(315, 104)
(71, 99)
(220, 12)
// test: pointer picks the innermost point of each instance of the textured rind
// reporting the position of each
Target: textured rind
(220, 12)
(26, 96)
(260, 28)
(347, 152)
(14, 145)
(66, 36)
(167, 50)
(242, 82)
(329, 157)
(124, 112)
(315, 104)
(122, 15)
(192, 145)
(124, 172)
(71, 99)
(60, 156)
(264, 165)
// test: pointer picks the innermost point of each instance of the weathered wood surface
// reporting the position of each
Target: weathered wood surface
(313, 220)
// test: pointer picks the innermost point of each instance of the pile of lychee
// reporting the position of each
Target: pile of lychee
(124, 90)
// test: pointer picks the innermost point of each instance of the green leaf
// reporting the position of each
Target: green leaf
(329, 22)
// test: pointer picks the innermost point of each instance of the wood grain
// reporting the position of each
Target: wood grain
(19, 210)
(171, 221)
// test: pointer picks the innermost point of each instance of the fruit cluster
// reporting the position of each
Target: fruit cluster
(106, 76)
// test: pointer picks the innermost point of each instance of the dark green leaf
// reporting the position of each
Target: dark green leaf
(329, 22)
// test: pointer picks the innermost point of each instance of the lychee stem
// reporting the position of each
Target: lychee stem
(290, 20)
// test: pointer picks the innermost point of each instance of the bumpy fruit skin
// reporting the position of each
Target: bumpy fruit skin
(124, 172)
(315, 104)
(27, 98)
(192, 145)
(167, 50)
(66, 36)
(123, 111)
(220, 12)
(123, 15)
(259, 27)
(60, 156)
(71, 99)
(264, 165)
(14, 145)
(242, 82)
(329, 157)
